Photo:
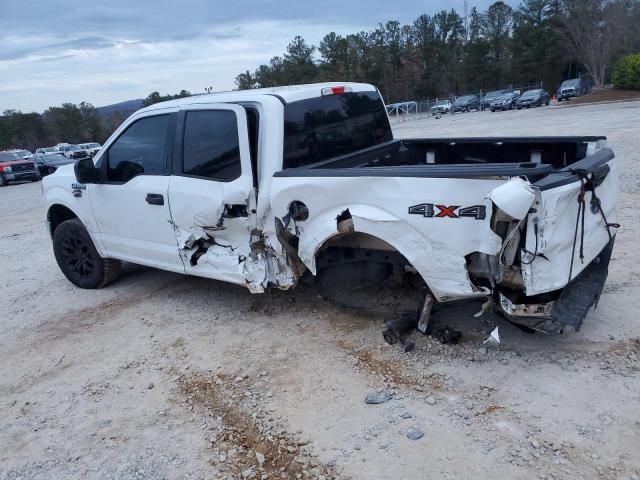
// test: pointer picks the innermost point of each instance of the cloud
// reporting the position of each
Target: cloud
(81, 43)
(121, 49)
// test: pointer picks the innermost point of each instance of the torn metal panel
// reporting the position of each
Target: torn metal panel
(255, 265)
(547, 261)
(542, 310)
(513, 197)
(435, 247)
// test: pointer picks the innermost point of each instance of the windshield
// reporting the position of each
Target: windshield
(531, 94)
(73, 148)
(321, 128)
(92, 145)
(571, 83)
(51, 149)
(464, 99)
(8, 156)
(494, 94)
(54, 157)
(442, 102)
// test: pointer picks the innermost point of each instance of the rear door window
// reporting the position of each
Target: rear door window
(211, 147)
(321, 128)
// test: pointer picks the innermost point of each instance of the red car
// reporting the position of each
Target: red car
(14, 168)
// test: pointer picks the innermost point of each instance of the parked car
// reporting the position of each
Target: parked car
(441, 106)
(49, 163)
(91, 148)
(72, 151)
(45, 150)
(466, 103)
(176, 187)
(504, 101)
(25, 154)
(533, 98)
(490, 97)
(14, 168)
(574, 87)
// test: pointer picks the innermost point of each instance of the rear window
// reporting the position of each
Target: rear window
(321, 128)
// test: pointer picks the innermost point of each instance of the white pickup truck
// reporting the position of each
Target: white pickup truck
(262, 187)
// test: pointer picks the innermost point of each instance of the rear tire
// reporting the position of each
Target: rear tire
(78, 258)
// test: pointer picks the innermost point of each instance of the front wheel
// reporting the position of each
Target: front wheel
(78, 258)
(3, 182)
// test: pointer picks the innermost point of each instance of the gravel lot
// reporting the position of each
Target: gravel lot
(166, 376)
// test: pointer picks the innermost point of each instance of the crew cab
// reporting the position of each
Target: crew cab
(15, 168)
(263, 187)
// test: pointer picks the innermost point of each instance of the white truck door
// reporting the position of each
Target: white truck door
(131, 207)
(211, 191)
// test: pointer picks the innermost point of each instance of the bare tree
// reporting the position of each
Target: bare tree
(593, 31)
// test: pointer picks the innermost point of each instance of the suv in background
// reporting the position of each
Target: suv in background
(466, 103)
(574, 87)
(91, 148)
(72, 151)
(441, 106)
(46, 150)
(15, 168)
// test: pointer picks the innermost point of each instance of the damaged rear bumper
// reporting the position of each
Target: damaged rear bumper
(570, 307)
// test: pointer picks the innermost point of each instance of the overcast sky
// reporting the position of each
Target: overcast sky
(55, 51)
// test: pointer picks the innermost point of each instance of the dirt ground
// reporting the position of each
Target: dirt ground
(166, 376)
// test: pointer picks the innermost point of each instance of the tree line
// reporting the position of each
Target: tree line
(69, 123)
(448, 53)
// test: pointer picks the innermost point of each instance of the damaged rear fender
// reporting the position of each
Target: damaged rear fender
(444, 273)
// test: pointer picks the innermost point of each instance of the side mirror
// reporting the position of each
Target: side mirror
(86, 171)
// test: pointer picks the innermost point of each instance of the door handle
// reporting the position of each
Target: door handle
(155, 199)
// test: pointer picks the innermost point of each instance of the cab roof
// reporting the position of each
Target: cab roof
(286, 94)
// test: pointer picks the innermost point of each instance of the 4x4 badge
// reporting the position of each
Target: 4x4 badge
(428, 210)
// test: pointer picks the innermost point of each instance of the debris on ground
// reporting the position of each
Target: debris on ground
(448, 336)
(397, 330)
(376, 398)
(493, 340)
(414, 433)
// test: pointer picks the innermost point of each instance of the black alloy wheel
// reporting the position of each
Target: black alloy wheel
(78, 258)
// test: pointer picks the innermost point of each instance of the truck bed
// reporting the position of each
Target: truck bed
(534, 157)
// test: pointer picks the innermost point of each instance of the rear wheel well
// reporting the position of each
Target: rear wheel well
(58, 214)
(361, 271)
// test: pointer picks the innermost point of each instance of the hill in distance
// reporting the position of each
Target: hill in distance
(127, 107)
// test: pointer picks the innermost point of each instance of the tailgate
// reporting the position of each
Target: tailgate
(561, 241)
